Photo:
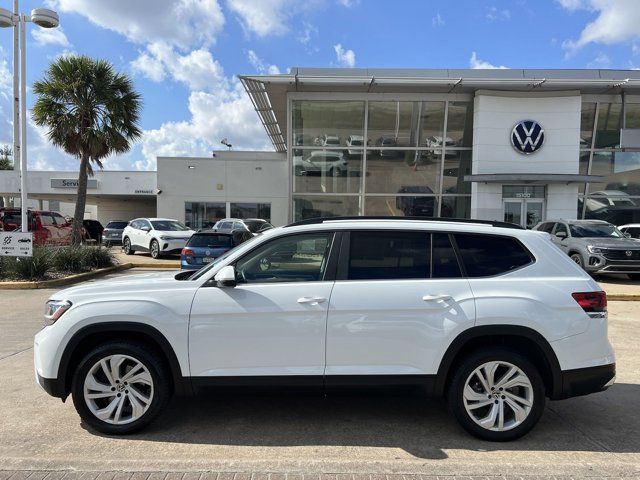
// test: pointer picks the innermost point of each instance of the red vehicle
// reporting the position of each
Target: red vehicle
(48, 228)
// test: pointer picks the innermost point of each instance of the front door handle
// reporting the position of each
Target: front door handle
(312, 300)
(436, 298)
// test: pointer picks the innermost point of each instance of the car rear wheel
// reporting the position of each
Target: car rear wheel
(154, 248)
(496, 394)
(576, 257)
(126, 246)
(120, 387)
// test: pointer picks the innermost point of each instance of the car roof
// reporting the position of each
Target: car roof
(580, 222)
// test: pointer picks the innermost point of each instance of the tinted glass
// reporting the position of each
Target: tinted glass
(297, 258)
(443, 257)
(388, 255)
(594, 231)
(609, 124)
(634, 232)
(561, 227)
(324, 206)
(326, 123)
(393, 124)
(460, 124)
(546, 227)
(210, 241)
(47, 220)
(488, 255)
(402, 206)
(587, 117)
(117, 225)
(168, 226)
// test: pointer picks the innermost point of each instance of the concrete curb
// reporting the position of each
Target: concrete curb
(59, 282)
(156, 265)
(623, 297)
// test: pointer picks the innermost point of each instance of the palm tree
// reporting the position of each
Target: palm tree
(6, 153)
(91, 112)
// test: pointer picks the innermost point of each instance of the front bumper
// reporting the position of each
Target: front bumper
(583, 381)
(52, 386)
(600, 263)
(172, 245)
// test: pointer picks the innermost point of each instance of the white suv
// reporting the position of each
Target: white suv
(158, 236)
(494, 318)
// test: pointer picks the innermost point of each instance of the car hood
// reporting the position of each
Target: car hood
(616, 243)
(122, 286)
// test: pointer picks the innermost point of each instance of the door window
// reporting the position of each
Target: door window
(561, 227)
(47, 220)
(388, 255)
(489, 255)
(443, 258)
(546, 227)
(295, 258)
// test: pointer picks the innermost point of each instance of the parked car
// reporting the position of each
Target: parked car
(322, 162)
(416, 206)
(205, 246)
(112, 233)
(631, 229)
(495, 319)
(597, 246)
(93, 230)
(48, 228)
(436, 143)
(253, 225)
(330, 141)
(355, 143)
(158, 236)
(387, 142)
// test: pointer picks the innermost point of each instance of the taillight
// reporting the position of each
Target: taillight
(188, 252)
(591, 301)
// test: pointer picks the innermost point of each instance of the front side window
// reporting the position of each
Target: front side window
(561, 227)
(489, 255)
(168, 226)
(443, 258)
(295, 258)
(389, 255)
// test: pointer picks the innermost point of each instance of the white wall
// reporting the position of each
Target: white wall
(229, 177)
(495, 114)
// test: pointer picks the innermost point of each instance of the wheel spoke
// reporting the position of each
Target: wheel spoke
(106, 412)
(137, 407)
(519, 400)
(519, 380)
(143, 377)
(133, 370)
(519, 412)
(114, 364)
(490, 371)
(94, 396)
(501, 416)
(480, 375)
(134, 392)
(92, 384)
(473, 396)
(490, 420)
(118, 413)
(480, 404)
(107, 371)
(512, 371)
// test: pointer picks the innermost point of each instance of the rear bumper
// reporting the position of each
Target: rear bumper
(583, 381)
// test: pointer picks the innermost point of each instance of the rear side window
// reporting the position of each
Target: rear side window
(118, 225)
(489, 255)
(443, 258)
(388, 255)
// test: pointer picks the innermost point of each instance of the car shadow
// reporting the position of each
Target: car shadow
(602, 422)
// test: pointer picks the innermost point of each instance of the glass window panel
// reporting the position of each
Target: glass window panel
(460, 124)
(401, 206)
(583, 167)
(632, 112)
(432, 124)
(455, 207)
(621, 171)
(488, 255)
(327, 171)
(609, 124)
(327, 123)
(408, 172)
(325, 206)
(251, 210)
(193, 214)
(587, 117)
(443, 257)
(457, 164)
(393, 124)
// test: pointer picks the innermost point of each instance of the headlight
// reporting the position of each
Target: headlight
(593, 249)
(54, 310)
(165, 238)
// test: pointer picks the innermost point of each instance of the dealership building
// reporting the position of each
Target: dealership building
(515, 145)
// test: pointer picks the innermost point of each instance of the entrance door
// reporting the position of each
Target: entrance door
(526, 212)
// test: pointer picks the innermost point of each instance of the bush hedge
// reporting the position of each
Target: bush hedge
(49, 261)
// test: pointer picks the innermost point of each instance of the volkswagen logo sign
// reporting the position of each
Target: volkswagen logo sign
(628, 253)
(527, 136)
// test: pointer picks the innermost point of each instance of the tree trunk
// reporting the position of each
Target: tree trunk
(81, 200)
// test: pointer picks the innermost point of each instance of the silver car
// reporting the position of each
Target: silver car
(596, 245)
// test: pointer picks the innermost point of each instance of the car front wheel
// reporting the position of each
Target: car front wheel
(155, 249)
(576, 257)
(120, 387)
(496, 394)
(126, 247)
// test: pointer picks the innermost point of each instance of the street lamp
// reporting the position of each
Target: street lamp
(45, 18)
(225, 142)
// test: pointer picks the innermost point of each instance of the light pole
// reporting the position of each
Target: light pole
(45, 18)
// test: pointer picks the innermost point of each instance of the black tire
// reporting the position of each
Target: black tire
(155, 364)
(154, 249)
(576, 257)
(464, 369)
(126, 246)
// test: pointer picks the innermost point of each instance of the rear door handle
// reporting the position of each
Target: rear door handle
(436, 298)
(312, 300)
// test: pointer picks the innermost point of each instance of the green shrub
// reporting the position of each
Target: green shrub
(98, 257)
(29, 268)
(70, 259)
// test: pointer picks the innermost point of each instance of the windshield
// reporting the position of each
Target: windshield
(595, 231)
(119, 225)
(168, 226)
(255, 225)
(221, 258)
(210, 241)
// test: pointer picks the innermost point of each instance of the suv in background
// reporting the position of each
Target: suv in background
(205, 246)
(158, 236)
(48, 228)
(112, 233)
(92, 230)
(495, 319)
(595, 245)
(253, 225)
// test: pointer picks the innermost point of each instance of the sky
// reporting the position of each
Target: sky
(184, 55)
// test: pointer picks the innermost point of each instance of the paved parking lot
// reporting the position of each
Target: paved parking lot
(597, 435)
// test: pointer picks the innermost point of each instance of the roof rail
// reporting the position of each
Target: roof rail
(493, 223)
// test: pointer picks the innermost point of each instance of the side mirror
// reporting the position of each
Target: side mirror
(146, 228)
(226, 277)
(561, 234)
(627, 235)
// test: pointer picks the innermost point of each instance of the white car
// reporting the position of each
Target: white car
(631, 229)
(493, 318)
(355, 143)
(158, 236)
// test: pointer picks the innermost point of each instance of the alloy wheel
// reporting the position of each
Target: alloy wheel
(498, 396)
(118, 389)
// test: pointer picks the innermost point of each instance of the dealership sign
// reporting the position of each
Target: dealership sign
(16, 244)
(72, 183)
(527, 136)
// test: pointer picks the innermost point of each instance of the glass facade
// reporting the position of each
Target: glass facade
(616, 198)
(399, 158)
(205, 214)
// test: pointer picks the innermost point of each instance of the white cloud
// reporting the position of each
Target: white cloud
(308, 31)
(600, 61)
(6, 78)
(260, 66)
(262, 17)
(149, 66)
(618, 21)
(50, 36)
(182, 23)
(346, 58)
(475, 62)
(494, 14)
(349, 3)
(437, 21)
